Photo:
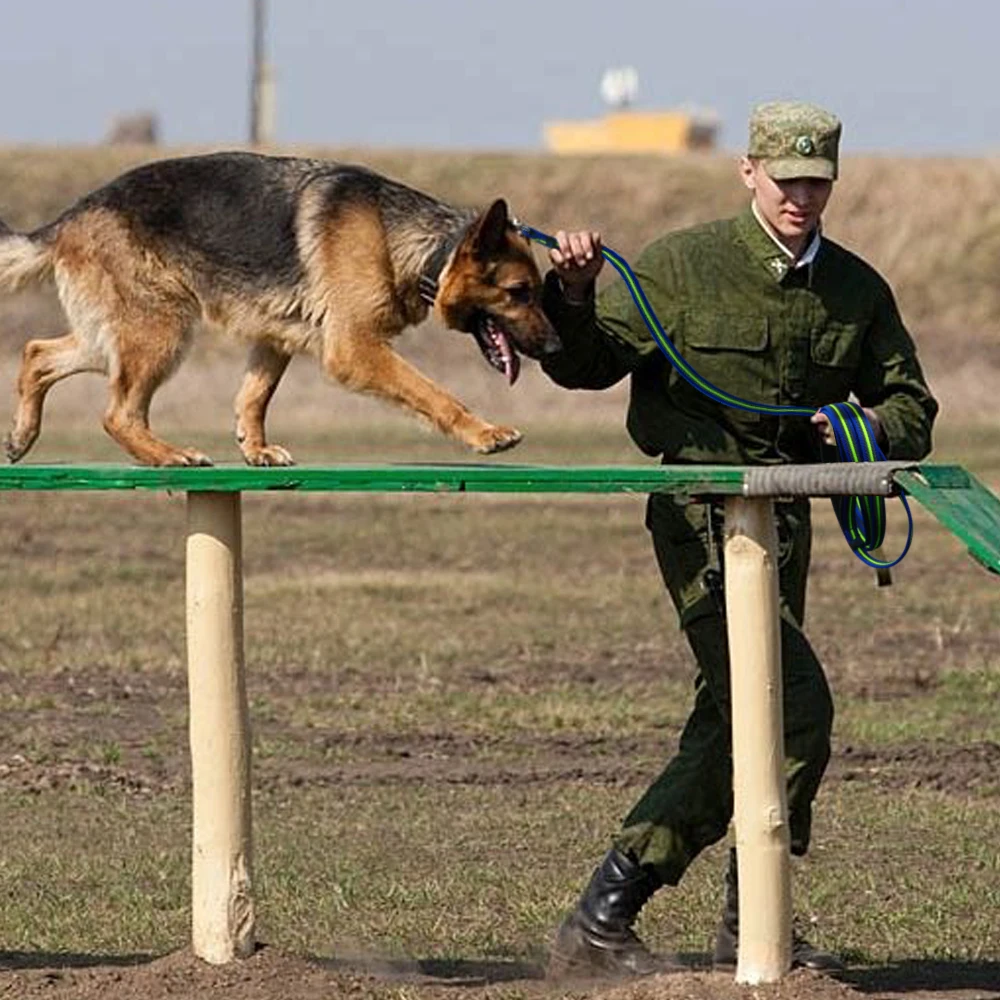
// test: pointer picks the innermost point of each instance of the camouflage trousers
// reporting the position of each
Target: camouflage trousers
(689, 806)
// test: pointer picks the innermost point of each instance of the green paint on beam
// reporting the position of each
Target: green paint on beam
(955, 497)
(962, 504)
(457, 478)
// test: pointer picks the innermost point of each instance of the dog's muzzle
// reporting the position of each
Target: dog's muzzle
(497, 346)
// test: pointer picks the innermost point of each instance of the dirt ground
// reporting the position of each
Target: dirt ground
(271, 975)
(443, 758)
(368, 759)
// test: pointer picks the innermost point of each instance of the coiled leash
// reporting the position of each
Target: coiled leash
(861, 518)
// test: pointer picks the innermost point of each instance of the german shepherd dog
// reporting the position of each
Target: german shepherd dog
(292, 255)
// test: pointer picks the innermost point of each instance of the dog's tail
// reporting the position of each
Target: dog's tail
(23, 259)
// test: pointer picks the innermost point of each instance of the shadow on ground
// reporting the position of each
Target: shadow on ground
(457, 972)
(926, 976)
(272, 975)
(465, 972)
(11, 961)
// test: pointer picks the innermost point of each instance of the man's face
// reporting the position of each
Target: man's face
(792, 208)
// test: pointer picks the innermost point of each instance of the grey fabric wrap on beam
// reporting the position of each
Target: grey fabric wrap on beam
(836, 479)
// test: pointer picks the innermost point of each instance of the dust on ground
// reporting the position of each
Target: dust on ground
(272, 975)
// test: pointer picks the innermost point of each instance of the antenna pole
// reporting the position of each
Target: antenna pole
(257, 73)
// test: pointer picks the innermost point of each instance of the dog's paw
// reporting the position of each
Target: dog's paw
(13, 449)
(185, 457)
(271, 454)
(494, 439)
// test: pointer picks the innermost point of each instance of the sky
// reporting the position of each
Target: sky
(906, 76)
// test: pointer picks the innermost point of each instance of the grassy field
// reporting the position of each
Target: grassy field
(456, 698)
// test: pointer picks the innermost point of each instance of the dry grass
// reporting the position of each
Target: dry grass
(453, 702)
(453, 698)
(932, 226)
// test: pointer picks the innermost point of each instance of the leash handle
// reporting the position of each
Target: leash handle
(861, 518)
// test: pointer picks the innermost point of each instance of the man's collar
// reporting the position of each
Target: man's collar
(768, 249)
(806, 257)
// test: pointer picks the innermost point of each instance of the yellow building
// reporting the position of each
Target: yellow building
(629, 131)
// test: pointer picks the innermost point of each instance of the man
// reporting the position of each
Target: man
(769, 309)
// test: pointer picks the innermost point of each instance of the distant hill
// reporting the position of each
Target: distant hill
(931, 226)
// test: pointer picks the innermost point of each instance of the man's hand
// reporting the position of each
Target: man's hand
(577, 262)
(825, 428)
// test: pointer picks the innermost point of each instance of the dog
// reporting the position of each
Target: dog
(292, 255)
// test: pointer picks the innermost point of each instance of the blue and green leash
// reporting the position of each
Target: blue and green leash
(861, 518)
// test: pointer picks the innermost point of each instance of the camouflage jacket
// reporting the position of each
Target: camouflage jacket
(745, 321)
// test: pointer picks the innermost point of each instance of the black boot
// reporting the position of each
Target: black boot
(727, 937)
(727, 933)
(597, 939)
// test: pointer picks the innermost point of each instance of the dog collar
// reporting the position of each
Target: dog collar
(427, 283)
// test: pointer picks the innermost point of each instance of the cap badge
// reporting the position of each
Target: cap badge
(804, 146)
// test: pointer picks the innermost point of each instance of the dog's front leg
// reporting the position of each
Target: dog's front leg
(265, 367)
(369, 364)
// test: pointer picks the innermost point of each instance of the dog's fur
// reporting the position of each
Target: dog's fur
(292, 255)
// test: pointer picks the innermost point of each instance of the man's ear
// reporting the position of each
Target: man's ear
(489, 230)
(747, 173)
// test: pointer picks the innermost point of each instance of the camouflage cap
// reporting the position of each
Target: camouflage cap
(794, 139)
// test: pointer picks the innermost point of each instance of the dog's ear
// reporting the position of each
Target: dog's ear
(489, 230)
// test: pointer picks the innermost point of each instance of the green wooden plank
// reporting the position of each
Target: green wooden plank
(966, 507)
(962, 504)
(955, 497)
(457, 478)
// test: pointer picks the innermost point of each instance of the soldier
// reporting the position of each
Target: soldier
(768, 308)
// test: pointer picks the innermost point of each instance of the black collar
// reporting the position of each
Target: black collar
(427, 283)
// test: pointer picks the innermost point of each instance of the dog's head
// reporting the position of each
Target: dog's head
(492, 289)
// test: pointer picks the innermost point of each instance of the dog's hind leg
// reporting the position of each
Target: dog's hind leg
(265, 367)
(143, 361)
(43, 363)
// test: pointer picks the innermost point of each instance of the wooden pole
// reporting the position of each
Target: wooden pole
(222, 908)
(760, 800)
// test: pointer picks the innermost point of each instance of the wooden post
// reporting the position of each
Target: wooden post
(760, 800)
(222, 910)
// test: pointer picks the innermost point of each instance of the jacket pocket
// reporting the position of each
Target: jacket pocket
(835, 355)
(732, 352)
(727, 332)
(837, 345)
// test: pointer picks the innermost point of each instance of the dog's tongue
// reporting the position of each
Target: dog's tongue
(496, 346)
(511, 359)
